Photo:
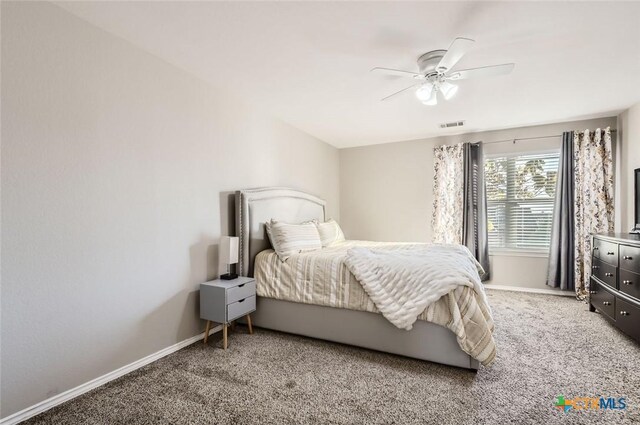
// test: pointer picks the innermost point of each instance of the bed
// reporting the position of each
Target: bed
(349, 317)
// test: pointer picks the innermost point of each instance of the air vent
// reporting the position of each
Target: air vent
(452, 124)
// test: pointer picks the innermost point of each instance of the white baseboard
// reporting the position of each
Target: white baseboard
(47, 404)
(531, 290)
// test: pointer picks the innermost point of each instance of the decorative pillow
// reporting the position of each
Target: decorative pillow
(330, 232)
(288, 239)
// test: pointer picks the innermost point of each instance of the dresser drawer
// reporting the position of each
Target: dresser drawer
(606, 251)
(628, 318)
(601, 299)
(605, 272)
(629, 283)
(241, 292)
(629, 257)
(241, 308)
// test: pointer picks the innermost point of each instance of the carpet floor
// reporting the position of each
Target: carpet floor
(547, 346)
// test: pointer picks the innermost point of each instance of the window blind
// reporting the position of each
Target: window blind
(520, 199)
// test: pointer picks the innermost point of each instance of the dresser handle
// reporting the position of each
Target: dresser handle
(610, 253)
(595, 248)
(606, 303)
(240, 286)
(626, 257)
(609, 274)
(593, 292)
(595, 267)
(624, 313)
(627, 282)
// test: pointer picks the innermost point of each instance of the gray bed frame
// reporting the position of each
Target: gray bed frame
(426, 341)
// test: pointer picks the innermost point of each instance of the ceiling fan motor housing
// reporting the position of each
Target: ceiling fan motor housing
(428, 62)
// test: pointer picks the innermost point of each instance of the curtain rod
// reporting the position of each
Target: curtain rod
(520, 139)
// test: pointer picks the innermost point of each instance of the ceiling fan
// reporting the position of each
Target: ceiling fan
(435, 75)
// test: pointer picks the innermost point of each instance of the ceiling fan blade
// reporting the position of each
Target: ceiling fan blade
(396, 72)
(485, 71)
(457, 50)
(398, 92)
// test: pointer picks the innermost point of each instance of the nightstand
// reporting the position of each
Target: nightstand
(223, 301)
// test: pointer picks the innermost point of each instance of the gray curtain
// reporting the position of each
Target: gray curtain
(561, 253)
(474, 219)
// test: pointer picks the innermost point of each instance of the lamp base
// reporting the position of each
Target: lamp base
(228, 276)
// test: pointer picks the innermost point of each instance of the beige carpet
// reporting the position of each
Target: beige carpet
(547, 346)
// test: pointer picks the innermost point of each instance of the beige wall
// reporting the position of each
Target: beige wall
(116, 173)
(116, 170)
(386, 191)
(629, 133)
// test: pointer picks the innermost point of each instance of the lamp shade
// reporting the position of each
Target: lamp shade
(448, 90)
(433, 98)
(424, 92)
(229, 249)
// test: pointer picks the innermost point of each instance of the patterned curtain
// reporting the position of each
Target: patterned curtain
(448, 188)
(593, 197)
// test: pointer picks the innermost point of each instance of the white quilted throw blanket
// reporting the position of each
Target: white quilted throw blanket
(403, 283)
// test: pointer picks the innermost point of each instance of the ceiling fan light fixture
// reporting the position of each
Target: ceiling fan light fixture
(448, 90)
(424, 92)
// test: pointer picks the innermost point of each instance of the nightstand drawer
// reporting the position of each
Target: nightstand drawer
(241, 292)
(241, 308)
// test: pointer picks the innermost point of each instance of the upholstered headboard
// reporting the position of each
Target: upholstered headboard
(254, 207)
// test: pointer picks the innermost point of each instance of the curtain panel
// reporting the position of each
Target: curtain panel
(562, 265)
(593, 199)
(448, 186)
(474, 210)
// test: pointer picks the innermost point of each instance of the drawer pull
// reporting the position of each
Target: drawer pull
(627, 282)
(241, 301)
(595, 248)
(595, 267)
(609, 274)
(240, 286)
(626, 257)
(606, 303)
(624, 313)
(610, 253)
(593, 292)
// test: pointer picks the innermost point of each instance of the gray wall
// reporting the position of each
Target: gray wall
(116, 170)
(386, 192)
(629, 133)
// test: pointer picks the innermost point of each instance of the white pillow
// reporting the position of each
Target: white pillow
(288, 239)
(330, 232)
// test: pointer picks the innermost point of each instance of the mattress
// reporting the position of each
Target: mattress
(322, 278)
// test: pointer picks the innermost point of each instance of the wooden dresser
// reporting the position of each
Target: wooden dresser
(615, 280)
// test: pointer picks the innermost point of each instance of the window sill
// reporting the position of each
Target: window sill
(517, 253)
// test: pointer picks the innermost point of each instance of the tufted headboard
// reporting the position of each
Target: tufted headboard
(254, 207)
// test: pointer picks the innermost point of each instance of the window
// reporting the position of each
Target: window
(520, 197)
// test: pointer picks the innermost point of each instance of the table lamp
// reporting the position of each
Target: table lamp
(229, 255)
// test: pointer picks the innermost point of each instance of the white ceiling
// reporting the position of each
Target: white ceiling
(308, 63)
